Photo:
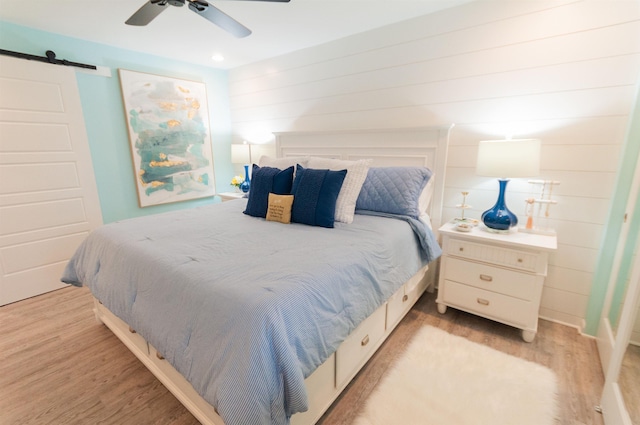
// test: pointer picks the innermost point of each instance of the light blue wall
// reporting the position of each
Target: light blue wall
(105, 119)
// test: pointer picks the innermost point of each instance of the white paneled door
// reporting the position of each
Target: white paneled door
(48, 195)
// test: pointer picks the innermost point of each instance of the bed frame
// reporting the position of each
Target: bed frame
(389, 147)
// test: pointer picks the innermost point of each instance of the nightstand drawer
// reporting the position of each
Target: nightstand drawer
(506, 257)
(507, 282)
(503, 308)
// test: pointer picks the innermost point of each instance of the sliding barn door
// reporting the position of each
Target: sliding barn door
(48, 195)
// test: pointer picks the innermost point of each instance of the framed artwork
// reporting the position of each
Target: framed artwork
(168, 123)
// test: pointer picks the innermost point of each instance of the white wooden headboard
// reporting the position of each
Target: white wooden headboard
(424, 146)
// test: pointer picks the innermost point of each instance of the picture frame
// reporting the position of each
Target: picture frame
(170, 139)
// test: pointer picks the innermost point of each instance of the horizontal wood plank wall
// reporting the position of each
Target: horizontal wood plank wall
(564, 72)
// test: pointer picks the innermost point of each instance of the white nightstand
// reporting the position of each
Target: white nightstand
(229, 196)
(497, 276)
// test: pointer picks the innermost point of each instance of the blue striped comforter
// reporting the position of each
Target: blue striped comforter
(243, 308)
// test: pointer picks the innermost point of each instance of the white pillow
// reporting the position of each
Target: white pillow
(425, 200)
(356, 174)
(425, 196)
(426, 219)
(283, 163)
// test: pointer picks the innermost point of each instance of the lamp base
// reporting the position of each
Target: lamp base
(513, 229)
(498, 218)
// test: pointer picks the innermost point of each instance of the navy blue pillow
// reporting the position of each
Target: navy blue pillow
(265, 180)
(314, 196)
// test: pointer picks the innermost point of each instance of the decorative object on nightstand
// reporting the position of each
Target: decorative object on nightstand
(241, 154)
(464, 224)
(236, 181)
(463, 206)
(542, 190)
(505, 159)
(493, 275)
(246, 184)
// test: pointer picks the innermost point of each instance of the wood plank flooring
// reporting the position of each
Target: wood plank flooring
(59, 366)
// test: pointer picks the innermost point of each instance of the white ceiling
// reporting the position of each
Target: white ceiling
(178, 33)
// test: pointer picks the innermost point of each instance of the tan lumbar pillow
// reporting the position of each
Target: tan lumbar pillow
(279, 208)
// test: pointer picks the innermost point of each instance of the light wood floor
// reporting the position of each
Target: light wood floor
(59, 366)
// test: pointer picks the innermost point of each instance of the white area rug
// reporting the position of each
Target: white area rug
(443, 379)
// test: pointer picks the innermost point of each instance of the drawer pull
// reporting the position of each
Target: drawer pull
(132, 330)
(405, 298)
(160, 356)
(482, 301)
(461, 249)
(364, 341)
(520, 260)
(486, 277)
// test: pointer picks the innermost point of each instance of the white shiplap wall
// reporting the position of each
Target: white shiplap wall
(562, 71)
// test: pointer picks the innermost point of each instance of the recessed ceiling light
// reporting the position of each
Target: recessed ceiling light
(217, 57)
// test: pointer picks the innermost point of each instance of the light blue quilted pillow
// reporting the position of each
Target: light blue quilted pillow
(394, 190)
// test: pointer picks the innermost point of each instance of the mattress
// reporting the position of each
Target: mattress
(245, 309)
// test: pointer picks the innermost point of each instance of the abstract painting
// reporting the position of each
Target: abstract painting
(168, 122)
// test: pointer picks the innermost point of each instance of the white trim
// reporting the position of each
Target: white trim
(613, 407)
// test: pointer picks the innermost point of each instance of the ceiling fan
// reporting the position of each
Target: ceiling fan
(153, 8)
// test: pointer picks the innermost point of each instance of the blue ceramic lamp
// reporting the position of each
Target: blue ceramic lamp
(506, 159)
(241, 154)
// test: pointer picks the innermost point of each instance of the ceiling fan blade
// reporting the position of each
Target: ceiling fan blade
(219, 18)
(147, 12)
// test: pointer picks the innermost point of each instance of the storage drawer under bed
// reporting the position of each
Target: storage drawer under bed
(354, 350)
(118, 326)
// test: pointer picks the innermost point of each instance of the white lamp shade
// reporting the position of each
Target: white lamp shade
(509, 158)
(240, 154)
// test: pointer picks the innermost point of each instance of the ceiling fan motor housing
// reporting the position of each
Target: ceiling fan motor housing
(198, 5)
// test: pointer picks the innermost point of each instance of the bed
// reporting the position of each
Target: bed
(248, 320)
